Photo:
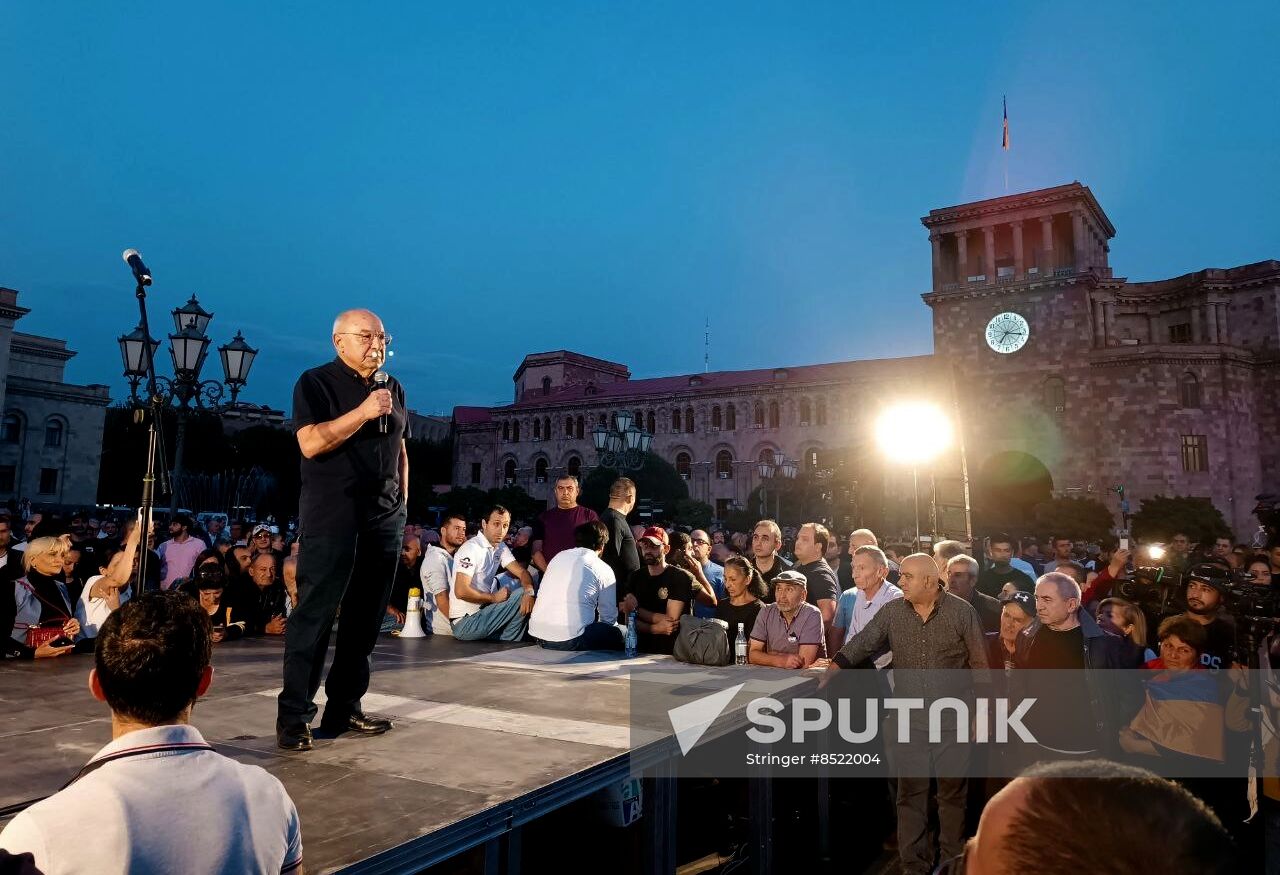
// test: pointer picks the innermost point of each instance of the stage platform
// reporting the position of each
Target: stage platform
(488, 738)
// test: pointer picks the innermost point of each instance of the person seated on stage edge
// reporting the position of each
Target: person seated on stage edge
(659, 593)
(110, 588)
(480, 607)
(260, 600)
(787, 633)
(437, 571)
(158, 798)
(577, 601)
(208, 586)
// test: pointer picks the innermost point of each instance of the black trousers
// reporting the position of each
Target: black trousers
(353, 571)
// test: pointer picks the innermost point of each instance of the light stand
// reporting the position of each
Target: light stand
(156, 464)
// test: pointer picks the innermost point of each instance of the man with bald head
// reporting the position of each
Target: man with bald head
(927, 629)
(355, 476)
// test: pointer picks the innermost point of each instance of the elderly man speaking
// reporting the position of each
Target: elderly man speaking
(351, 427)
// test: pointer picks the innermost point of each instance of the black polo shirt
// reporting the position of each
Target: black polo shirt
(359, 481)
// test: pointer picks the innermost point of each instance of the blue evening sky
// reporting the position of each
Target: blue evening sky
(502, 179)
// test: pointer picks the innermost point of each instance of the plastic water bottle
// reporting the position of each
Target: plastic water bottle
(631, 635)
(740, 647)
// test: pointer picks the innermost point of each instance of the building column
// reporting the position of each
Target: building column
(1019, 262)
(1224, 333)
(936, 241)
(962, 257)
(1079, 243)
(1098, 317)
(1046, 233)
(1212, 313)
(1108, 319)
(1196, 336)
(989, 253)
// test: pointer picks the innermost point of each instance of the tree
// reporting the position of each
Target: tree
(1081, 519)
(693, 513)
(1161, 517)
(656, 481)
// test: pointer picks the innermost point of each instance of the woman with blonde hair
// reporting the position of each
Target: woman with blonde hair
(42, 596)
(1124, 618)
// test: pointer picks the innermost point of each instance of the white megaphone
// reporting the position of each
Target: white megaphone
(413, 616)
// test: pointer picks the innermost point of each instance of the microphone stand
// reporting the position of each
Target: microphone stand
(155, 445)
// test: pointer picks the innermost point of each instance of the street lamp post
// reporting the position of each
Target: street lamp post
(188, 348)
(624, 448)
(781, 468)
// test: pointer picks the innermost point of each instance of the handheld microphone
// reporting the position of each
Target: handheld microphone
(380, 382)
(140, 272)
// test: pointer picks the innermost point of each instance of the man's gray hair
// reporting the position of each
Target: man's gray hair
(865, 533)
(1066, 584)
(875, 553)
(948, 549)
(968, 561)
(525, 530)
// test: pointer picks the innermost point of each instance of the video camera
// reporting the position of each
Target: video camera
(1267, 510)
(1156, 589)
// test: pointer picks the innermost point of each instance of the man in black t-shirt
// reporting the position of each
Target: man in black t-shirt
(659, 594)
(620, 553)
(1204, 598)
(355, 481)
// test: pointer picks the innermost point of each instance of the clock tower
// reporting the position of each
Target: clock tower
(1014, 280)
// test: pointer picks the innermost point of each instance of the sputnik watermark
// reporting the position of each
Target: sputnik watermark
(815, 716)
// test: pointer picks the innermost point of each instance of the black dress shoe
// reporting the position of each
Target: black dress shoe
(365, 724)
(294, 738)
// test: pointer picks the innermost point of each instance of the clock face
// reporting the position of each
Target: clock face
(1007, 332)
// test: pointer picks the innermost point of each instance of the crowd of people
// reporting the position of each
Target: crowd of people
(803, 598)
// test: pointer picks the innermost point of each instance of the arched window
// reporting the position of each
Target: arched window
(1055, 395)
(683, 464)
(546, 427)
(537, 429)
(651, 423)
(604, 420)
(515, 432)
(805, 411)
(546, 385)
(757, 415)
(731, 418)
(638, 418)
(509, 471)
(724, 464)
(688, 420)
(540, 470)
(822, 411)
(568, 426)
(766, 455)
(506, 431)
(53, 430)
(580, 430)
(11, 429)
(574, 466)
(811, 460)
(716, 421)
(1189, 390)
(774, 418)
(675, 420)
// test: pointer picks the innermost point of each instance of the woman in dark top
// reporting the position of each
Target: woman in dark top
(39, 596)
(744, 586)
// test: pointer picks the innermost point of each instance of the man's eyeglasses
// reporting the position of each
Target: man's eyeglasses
(697, 541)
(366, 338)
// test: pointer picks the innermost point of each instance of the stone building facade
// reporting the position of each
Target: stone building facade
(51, 431)
(1166, 387)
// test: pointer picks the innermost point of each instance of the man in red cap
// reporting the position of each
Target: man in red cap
(659, 593)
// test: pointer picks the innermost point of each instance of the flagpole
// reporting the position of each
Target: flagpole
(1004, 140)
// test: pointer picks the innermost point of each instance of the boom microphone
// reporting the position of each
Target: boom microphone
(380, 382)
(140, 272)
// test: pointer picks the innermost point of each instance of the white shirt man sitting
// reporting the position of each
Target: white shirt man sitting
(121, 813)
(437, 571)
(577, 602)
(480, 607)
